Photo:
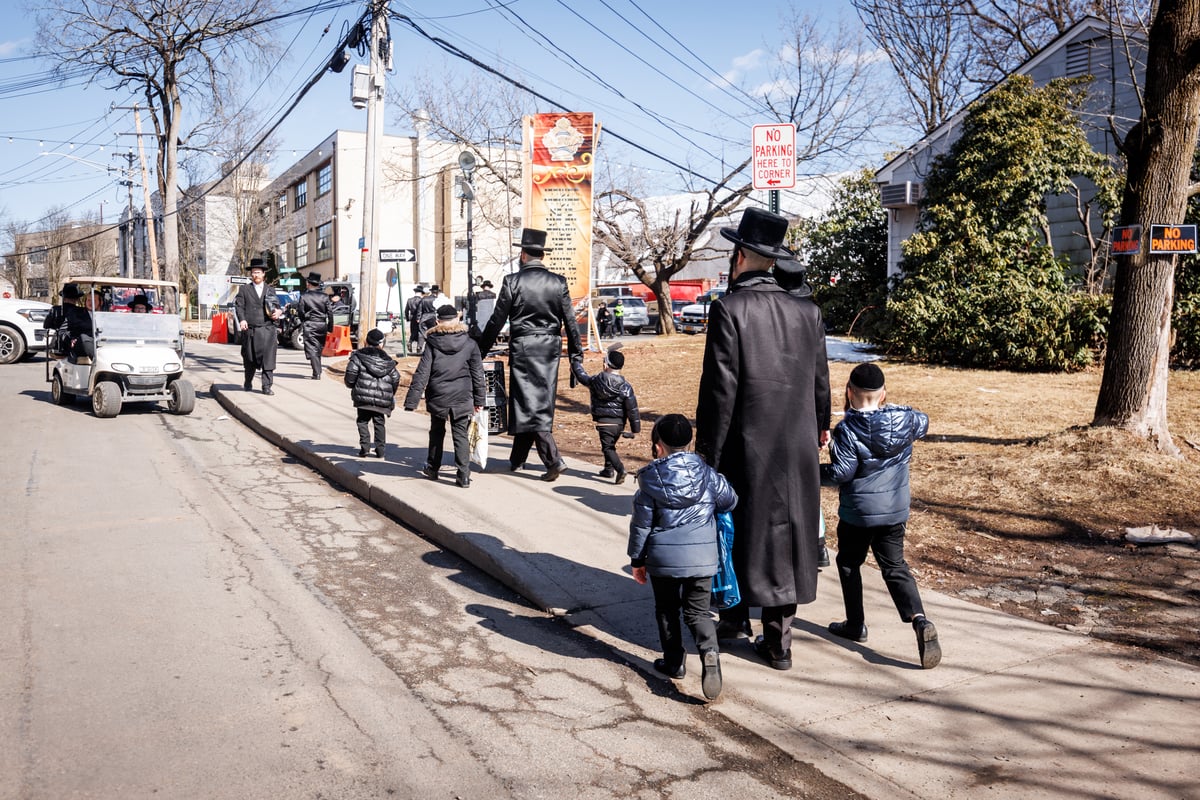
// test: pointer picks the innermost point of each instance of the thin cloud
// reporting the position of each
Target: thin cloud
(743, 64)
(11, 48)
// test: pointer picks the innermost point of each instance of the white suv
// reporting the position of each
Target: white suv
(21, 331)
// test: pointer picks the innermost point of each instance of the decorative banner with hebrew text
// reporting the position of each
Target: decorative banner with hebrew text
(558, 155)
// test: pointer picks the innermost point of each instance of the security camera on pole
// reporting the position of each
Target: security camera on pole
(466, 162)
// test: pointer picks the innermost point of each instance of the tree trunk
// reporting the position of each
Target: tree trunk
(1159, 150)
(666, 313)
(170, 196)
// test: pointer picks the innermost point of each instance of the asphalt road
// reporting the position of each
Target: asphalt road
(184, 612)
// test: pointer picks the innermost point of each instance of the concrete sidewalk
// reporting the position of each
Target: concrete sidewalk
(1015, 710)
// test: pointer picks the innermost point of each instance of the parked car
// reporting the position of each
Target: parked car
(21, 331)
(636, 315)
(652, 313)
(693, 318)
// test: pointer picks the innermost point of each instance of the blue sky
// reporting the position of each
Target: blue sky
(661, 61)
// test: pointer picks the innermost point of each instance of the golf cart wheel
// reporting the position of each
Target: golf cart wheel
(57, 393)
(297, 339)
(12, 345)
(183, 397)
(106, 399)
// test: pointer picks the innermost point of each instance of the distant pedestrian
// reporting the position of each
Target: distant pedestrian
(374, 380)
(537, 305)
(485, 291)
(673, 539)
(412, 314)
(613, 405)
(618, 318)
(257, 308)
(603, 321)
(450, 375)
(316, 320)
(869, 456)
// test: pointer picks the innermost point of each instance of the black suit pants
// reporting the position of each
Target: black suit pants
(547, 448)
(887, 543)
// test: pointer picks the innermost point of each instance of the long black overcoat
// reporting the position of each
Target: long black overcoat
(764, 401)
(260, 342)
(537, 305)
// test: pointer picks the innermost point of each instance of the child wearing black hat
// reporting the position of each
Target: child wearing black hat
(450, 375)
(673, 540)
(870, 451)
(373, 379)
(613, 404)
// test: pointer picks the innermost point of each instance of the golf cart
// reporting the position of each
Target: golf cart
(132, 357)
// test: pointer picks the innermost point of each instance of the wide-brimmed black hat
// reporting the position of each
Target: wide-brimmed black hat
(70, 291)
(139, 300)
(761, 232)
(793, 276)
(532, 239)
(314, 278)
(257, 263)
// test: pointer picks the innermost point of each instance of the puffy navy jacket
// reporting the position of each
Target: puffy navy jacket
(673, 532)
(870, 452)
(373, 379)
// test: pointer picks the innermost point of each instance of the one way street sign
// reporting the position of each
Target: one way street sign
(397, 255)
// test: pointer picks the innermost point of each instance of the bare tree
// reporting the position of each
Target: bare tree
(16, 263)
(1159, 150)
(54, 246)
(168, 50)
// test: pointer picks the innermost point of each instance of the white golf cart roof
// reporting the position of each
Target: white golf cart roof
(109, 280)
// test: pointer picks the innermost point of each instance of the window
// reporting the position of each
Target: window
(325, 179)
(301, 194)
(281, 206)
(81, 251)
(325, 241)
(301, 251)
(37, 257)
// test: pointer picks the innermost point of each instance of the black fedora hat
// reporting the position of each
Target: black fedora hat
(314, 278)
(532, 239)
(70, 291)
(761, 232)
(257, 263)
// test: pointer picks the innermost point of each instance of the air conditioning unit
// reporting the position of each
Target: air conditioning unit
(900, 195)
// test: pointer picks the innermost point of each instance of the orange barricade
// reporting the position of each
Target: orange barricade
(218, 334)
(338, 343)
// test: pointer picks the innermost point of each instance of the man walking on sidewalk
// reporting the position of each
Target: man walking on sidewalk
(763, 413)
(316, 320)
(537, 305)
(257, 308)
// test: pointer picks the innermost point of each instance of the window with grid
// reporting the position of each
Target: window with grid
(300, 250)
(81, 251)
(37, 257)
(325, 179)
(280, 206)
(301, 195)
(325, 241)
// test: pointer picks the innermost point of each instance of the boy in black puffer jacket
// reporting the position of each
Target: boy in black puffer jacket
(613, 404)
(450, 375)
(374, 380)
(673, 538)
(870, 451)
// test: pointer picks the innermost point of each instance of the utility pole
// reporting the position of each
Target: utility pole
(151, 244)
(381, 60)
(127, 262)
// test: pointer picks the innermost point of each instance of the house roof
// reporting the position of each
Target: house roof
(1099, 26)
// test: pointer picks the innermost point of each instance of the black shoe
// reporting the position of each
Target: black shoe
(429, 472)
(606, 473)
(728, 630)
(779, 661)
(846, 630)
(514, 467)
(247, 387)
(620, 478)
(823, 556)
(553, 471)
(660, 664)
(316, 377)
(362, 452)
(268, 391)
(710, 674)
(927, 643)
(463, 482)
(379, 451)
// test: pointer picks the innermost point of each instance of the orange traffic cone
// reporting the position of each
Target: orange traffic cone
(218, 334)
(338, 343)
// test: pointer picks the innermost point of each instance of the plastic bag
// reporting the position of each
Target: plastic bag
(725, 592)
(477, 437)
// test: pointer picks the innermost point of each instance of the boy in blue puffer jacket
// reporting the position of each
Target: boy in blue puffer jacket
(673, 538)
(869, 452)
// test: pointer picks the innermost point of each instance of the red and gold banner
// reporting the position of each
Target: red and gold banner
(558, 154)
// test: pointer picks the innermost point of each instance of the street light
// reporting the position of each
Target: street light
(466, 162)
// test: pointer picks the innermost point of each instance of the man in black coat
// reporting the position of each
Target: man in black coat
(316, 320)
(73, 323)
(762, 417)
(537, 305)
(257, 308)
(412, 314)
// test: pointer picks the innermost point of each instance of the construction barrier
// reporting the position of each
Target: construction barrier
(338, 342)
(219, 334)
